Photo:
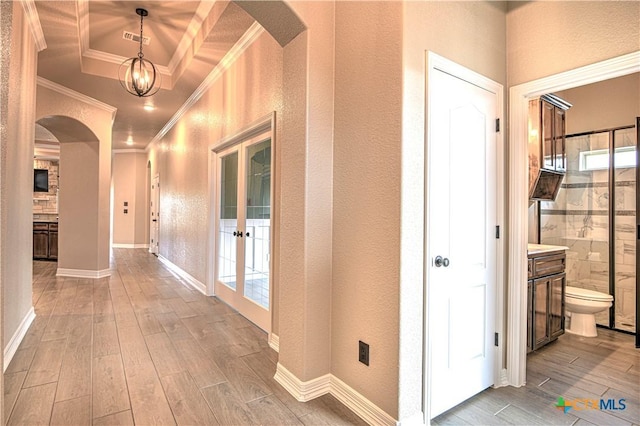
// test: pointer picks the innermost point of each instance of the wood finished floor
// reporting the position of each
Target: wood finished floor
(140, 347)
(573, 367)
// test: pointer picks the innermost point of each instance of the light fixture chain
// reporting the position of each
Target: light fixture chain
(141, 55)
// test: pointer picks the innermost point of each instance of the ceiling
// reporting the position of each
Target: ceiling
(85, 47)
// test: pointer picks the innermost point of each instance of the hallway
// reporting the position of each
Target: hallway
(140, 347)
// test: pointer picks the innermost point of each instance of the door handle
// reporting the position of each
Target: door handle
(237, 234)
(441, 261)
(154, 220)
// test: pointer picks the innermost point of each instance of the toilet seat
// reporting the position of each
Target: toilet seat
(584, 294)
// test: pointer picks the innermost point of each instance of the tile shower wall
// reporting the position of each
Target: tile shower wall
(45, 205)
(579, 219)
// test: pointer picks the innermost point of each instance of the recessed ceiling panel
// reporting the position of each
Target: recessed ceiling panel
(166, 24)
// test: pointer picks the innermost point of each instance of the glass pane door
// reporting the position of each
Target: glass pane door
(244, 229)
(625, 227)
(258, 222)
(228, 220)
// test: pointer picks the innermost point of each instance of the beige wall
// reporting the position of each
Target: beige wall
(603, 105)
(181, 158)
(306, 206)
(471, 34)
(366, 215)
(17, 175)
(129, 184)
(73, 120)
(78, 223)
(546, 38)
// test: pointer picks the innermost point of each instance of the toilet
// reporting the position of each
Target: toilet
(581, 306)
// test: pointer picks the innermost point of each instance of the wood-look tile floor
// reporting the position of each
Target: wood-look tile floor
(573, 367)
(140, 347)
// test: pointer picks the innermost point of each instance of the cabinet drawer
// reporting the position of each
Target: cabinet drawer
(53, 227)
(530, 268)
(548, 265)
(37, 226)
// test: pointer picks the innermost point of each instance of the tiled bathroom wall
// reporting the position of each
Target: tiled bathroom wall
(45, 204)
(579, 219)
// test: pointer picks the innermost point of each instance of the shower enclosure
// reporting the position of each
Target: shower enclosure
(595, 216)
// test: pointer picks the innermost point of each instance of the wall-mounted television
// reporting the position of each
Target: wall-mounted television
(40, 180)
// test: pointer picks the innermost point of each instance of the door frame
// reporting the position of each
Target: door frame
(519, 97)
(436, 62)
(154, 196)
(262, 125)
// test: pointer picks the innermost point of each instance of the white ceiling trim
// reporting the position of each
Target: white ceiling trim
(190, 34)
(117, 60)
(129, 151)
(43, 82)
(82, 10)
(247, 39)
(29, 7)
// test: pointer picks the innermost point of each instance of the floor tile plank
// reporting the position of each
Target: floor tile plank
(109, 386)
(34, 406)
(187, 403)
(72, 412)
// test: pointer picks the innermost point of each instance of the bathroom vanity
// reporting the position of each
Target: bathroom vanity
(545, 289)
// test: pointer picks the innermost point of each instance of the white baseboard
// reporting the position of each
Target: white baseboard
(129, 246)
(356, 402)
(415, 420)
(184, 275)
(302, 391)
(83, 273)
(274, 342)
(16, 339)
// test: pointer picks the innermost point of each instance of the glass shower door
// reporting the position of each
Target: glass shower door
(624, 281)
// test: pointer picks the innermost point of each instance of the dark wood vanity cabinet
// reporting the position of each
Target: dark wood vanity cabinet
(545, 301)
(45, 241)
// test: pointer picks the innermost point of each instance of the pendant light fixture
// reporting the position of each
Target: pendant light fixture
(138, 75)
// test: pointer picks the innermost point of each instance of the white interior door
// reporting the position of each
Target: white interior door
(244, 189)
(154, 213)
(461, 240)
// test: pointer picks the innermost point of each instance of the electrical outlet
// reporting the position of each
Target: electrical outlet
(363, 352)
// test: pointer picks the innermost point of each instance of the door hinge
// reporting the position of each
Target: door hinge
(497, 231)
(495, 339)
(497, 124)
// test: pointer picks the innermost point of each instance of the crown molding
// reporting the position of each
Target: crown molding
(31, 13)
(190, 34)
(82, 11)
(117, 60)
(129, 151)
(43, 82)
(247, 39)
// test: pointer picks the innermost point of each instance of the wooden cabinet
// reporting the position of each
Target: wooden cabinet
(45, 241)
(545, 301)
(547, 146)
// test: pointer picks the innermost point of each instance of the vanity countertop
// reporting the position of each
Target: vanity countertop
(536, 249)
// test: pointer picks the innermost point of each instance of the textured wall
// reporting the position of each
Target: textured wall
(129, 181)
(17, 176)
(603, 105)
(6, 27)
(473, 35)
(366, 241)
(307, 168)
(546, 38)
(249, 90)
(93, 124)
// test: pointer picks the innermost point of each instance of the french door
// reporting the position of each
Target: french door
(243, 234)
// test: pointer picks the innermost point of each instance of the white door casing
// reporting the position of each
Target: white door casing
(154, 215)
(463, 209)
(244, 231)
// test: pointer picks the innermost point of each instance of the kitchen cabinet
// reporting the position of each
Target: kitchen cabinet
(45, 241)
(545, 296)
